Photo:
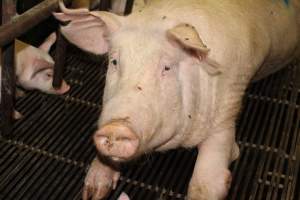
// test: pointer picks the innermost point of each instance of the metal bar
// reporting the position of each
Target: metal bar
(272, 136)
(22, 23)
(60, 60)
(128, 7)
(7, 87)
(8, 82)
(105, 5)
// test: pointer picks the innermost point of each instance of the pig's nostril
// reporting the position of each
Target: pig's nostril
(103, 140)
(117, 141)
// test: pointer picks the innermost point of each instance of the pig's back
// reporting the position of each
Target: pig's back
(248, 33)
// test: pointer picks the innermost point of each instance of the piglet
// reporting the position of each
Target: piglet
(34, 68)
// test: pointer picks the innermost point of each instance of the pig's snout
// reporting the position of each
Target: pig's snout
(62, 90)
(116, 140)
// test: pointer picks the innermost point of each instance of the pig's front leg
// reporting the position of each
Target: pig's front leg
(100, 180)
(211, 178)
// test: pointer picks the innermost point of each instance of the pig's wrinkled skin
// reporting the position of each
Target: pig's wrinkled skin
(178, 70)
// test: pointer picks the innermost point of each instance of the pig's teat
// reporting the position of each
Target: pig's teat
(117, 141)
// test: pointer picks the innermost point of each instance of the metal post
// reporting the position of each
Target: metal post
(105, 5)
(27, 20)
(60, 55)
(8, 10)
(128, 7)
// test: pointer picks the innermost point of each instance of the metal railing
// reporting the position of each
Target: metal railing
(12, 27)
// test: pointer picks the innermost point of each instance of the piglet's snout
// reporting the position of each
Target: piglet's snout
(117, 141)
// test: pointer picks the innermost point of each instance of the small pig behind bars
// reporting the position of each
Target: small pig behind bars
(34, 67)
(177, 73)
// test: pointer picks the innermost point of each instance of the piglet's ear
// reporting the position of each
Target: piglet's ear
(87, 30)
(188, 38)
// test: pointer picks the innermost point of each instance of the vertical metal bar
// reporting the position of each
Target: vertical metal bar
(8, 10)
(105, 5)
(60, 55)
(128, 7)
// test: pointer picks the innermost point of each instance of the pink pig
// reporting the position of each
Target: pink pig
(177, 73)
(34, 67)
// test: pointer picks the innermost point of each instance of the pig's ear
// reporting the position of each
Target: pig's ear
(188, 38)
(46, 45)
(88, 30)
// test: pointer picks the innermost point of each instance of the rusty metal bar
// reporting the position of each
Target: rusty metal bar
(60, 55)
(8, 82)
(19, 25)
(128, 7)
(105, 5)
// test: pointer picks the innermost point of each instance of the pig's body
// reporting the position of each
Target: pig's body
(244, 37)
(177, 74)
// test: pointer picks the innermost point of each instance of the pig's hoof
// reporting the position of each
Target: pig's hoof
(20, 93)
(17, 115)
(99, 181)
(235, 153)
(213, 189)
(200, 192)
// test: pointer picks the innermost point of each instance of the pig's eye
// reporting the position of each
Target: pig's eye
(167, 68)
(114, 62)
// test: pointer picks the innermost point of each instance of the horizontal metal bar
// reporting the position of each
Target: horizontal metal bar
(22, 23)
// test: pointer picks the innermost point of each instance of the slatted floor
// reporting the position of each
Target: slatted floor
(49, 150)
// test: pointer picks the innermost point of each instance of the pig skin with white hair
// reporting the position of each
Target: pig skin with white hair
(177, 73)
(34, 68)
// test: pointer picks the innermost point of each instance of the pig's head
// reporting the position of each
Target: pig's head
(145, 103)
(34, 67)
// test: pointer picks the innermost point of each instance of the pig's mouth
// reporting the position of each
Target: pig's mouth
(116, 142)
(107, 160)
